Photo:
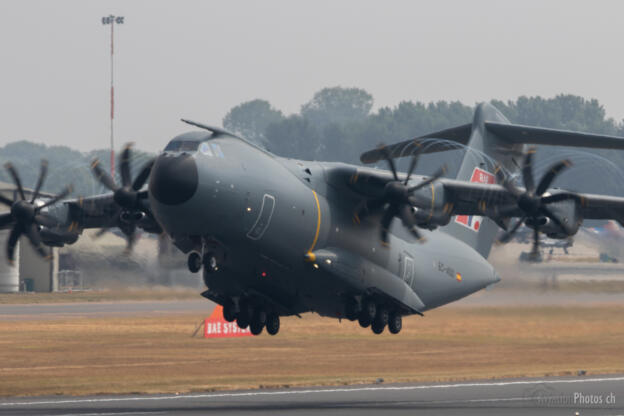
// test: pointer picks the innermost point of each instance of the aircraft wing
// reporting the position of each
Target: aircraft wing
(470, 198)
(100, 211)
(478, 199)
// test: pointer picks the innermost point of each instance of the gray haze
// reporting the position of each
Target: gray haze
(197, 59)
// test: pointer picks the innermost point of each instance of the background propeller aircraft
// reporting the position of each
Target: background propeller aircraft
(275, 236)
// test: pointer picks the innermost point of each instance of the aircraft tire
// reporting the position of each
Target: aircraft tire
(242, 323)
(194, 262)
(369, 310)
(395, 323)
(377, 327)
(364, 321)
(259, 316)
(273, 324)
(211, 265)
(382, 316)
(245, 315)
(229, 313)
(352, 310)
(255, 327)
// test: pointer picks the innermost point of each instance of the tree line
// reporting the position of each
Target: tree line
(338, 124)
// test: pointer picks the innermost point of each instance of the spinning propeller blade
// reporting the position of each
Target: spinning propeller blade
(396, 200)
(531, 201)
(128, 196)
(26, 215)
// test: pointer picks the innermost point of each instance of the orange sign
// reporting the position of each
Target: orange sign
(217, 327)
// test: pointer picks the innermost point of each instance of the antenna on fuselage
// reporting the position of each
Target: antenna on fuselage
(215, 130)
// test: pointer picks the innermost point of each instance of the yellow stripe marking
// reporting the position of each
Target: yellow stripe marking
(318, 222)
(432, 201)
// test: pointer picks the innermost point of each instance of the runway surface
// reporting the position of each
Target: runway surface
(495, 297)
(100, 309)
(590, 395)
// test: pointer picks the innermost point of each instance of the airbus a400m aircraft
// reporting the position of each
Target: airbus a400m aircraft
(276, 237)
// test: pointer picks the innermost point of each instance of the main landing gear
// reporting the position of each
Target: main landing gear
(209, 261)
(377, 316)
(256, 318)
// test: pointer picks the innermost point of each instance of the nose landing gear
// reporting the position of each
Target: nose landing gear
(207, 253)
(194, 262)
(210, 262)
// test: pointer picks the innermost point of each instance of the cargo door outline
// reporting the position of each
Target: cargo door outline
(408, 269)
(264, 218)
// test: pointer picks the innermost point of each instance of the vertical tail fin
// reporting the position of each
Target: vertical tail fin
(484, 151)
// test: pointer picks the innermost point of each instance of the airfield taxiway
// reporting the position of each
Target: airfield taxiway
(101, 309)
(502, 297)
(591, 395)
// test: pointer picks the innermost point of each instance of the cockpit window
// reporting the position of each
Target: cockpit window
(182, 146)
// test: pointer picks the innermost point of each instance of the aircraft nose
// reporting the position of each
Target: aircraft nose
(174, 178)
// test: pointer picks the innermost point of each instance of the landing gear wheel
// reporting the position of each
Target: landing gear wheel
(369, 310)
(241, 322)
(380, 321)
(377, 327)
(244, 315)
(194, 262)
(364, 321)
(352, 309)
(395, 323)
(210, 262)
(382, 316)
(258, 321)
(255, 328)
(273, 324)
(229, 313)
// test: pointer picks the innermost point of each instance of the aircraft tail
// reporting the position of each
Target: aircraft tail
(484, 151)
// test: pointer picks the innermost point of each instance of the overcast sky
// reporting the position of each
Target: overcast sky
(197, 59)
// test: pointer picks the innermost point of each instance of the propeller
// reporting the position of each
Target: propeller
(397, 198)
(26, 216)
(532, 202)
(127, 196)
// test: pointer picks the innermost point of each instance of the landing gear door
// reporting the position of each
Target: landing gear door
(408, 269)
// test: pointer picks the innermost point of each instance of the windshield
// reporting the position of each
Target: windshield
(182, 146)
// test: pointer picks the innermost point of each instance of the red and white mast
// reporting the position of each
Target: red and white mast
(112, 20)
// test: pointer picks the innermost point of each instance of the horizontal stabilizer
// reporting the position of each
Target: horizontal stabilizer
(431, 143)
(518, 134)
(510, 133)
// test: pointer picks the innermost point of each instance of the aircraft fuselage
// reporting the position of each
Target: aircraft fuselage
(262, 214)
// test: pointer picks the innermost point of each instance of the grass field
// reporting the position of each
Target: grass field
(131, 355)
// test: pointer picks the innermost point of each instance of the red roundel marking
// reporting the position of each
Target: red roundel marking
(477, 225)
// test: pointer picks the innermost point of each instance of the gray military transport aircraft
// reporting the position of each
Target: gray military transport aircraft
(278, 237)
